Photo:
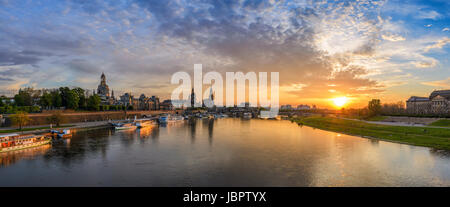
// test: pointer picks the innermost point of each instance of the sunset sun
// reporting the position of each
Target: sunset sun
(340, 101)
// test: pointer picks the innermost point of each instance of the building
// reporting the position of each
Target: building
(437, 103)
(303, 107)
(286, 107)
(143, 103)
(126, 99)
(153, 103)
(103, 92)
(166, 105)
(210, 100)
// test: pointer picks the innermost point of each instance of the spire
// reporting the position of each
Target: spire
(211, 95)
(192, 98)
(103, 79)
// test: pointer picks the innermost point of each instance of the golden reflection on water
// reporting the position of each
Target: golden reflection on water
(9, 158)
(230, 152)
(313, 157)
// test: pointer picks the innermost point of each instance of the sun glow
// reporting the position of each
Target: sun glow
(340, 101)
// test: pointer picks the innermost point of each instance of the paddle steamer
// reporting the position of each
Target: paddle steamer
(12, 142)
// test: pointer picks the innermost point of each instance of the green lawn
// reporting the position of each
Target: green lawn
(31, 129)
(422, 136)
(441, 123)
(376, 118)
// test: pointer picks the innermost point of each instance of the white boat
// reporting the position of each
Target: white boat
(177, 117)
(123, 126)
(140, 123)
(166, 118)
(247, 115)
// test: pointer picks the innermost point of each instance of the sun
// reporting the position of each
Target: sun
(340, 101)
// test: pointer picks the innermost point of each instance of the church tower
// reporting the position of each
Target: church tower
(103, 88)
(211, 95)
(192, 98)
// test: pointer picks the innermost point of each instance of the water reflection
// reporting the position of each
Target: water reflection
(192, 123)
(9, 158)
(210, 130)
(224, 152)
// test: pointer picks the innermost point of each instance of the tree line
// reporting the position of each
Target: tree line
(30, 100)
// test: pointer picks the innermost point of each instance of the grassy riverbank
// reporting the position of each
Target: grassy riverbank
(441, 123)
(421, 136)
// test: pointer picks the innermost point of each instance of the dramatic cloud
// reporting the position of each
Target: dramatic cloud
(320, 48)
(445, 84)
(439, 44)
(392, 37)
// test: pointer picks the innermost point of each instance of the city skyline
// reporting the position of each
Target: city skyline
(323, 50)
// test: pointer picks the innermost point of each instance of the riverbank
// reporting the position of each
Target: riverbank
(72, 126)
(31, 129)
(438, 138)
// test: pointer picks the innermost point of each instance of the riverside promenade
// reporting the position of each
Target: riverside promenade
(46, 128)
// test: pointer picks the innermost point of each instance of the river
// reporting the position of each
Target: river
(224, 152)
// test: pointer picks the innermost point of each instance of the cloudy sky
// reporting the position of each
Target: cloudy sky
(322, 49)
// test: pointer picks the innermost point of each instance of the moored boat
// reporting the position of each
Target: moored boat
(247, 115)
(66, 133)
(166, 118)
(123, 126)
(12, 142)
(140, 123)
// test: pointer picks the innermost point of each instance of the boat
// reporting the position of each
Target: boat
(141, 123)
(66, 133)
(269, 116)
(247, 115)
(12, 142)
(166, 118)
(176, 117)
(122, 126)
(163, 119)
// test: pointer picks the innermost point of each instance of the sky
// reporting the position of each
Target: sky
(363, 49)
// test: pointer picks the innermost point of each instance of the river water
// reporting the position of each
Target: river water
(224, 152)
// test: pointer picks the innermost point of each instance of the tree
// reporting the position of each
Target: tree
(56, 98)
(23, 98)
(20, 119)
(56, 118)
(374, 107)
(64, 92)
(93, 102)
(72, 99)
(2, 101)
(82, 102)
(46, 100)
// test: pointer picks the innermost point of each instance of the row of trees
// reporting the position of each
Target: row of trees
(75, 99)
(10, 109)
(29, 100)
(375, 108)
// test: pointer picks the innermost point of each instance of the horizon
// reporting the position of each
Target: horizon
(323, 51)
